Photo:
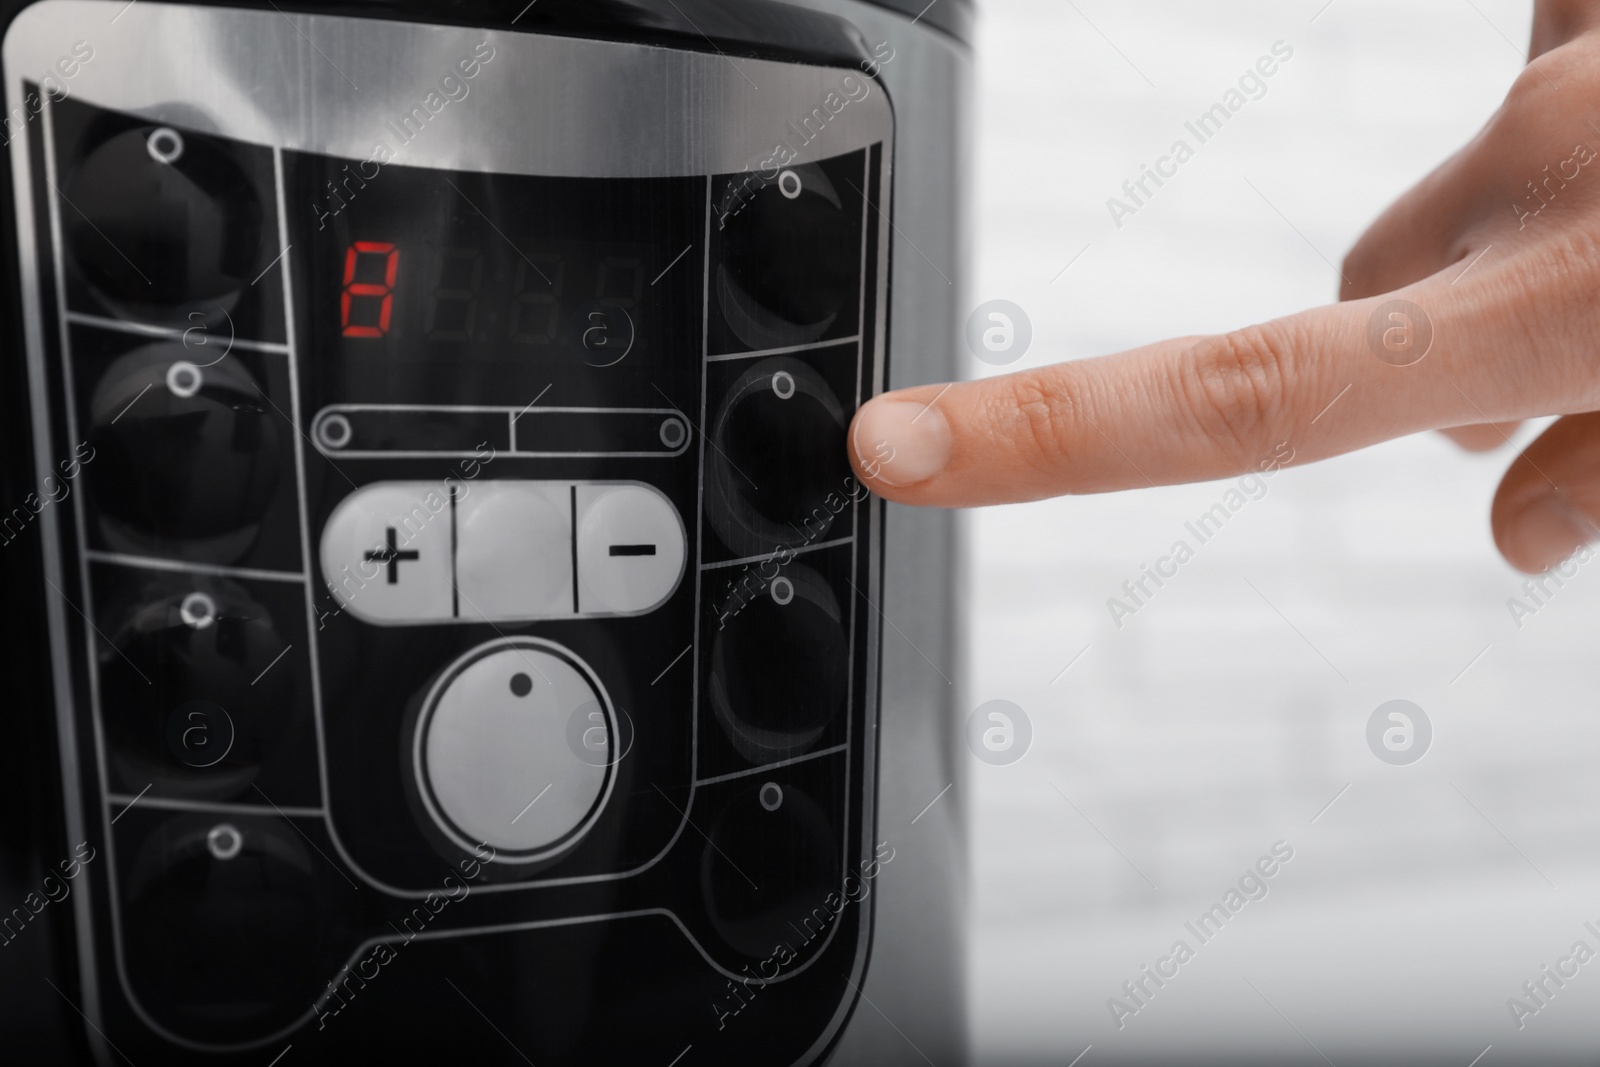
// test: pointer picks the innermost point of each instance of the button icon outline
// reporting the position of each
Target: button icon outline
(344, 445)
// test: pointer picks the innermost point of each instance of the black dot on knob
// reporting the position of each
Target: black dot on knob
(521, 684)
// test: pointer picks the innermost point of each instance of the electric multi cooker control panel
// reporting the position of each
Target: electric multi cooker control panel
(465, 622)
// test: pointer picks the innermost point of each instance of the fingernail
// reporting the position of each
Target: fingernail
(901, 442)
(1548, 531)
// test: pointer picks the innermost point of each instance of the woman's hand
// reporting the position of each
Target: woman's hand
(1471, 304)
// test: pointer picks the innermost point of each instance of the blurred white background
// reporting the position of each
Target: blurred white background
(1210, 725)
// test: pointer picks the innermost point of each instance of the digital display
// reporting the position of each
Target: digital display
(366, 307)
(416, 277)
(459, 306)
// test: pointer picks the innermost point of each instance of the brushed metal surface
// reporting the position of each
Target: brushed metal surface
(339, 86)
(914, 1004)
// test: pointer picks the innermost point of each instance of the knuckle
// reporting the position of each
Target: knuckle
(1527, 87)
(1533, 82)
(1237, 387)
(1045, 433)
(1566, 67)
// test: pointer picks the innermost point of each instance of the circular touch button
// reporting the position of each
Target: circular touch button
(181, 453)
(163, 220)
(778, 457)
(492, 761)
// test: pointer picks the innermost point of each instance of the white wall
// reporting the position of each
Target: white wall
(1208, 727)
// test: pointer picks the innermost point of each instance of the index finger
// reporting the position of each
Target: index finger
(1313, 385)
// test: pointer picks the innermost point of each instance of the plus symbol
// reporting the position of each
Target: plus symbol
(391, 555)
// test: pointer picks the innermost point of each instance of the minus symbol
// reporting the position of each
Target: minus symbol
(633, 550)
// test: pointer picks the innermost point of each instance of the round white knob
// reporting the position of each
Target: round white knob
(496, 759)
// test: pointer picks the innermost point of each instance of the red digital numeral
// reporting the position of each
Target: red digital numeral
(354, 290)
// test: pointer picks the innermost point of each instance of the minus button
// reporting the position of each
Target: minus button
(632, 548)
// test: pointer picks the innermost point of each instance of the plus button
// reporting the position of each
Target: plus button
(391, 555)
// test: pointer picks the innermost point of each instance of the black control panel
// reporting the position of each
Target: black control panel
(474, 611)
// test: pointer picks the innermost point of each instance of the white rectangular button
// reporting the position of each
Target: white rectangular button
(514, 550)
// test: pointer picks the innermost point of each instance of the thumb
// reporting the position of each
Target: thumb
(1549, 501)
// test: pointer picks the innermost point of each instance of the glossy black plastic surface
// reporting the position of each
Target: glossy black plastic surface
(162, 221)
(186, 452)
(271, 871)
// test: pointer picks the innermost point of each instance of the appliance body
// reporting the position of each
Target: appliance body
(441, 616)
